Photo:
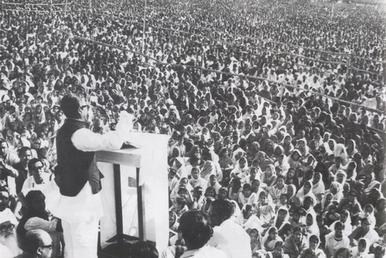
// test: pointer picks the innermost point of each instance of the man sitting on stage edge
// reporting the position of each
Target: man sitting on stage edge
(78, 177)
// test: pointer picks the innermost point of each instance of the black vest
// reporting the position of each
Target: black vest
(74, 167)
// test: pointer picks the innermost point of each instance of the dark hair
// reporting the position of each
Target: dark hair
(70, 106)
(30, 200)
(210, 188)
(338, 226)
(342, 251)
(195, 229)
(314, 238)
(32, 162)
(223, 209)
(247, 187)
(143, 249)
(33, 240)
(23, 150)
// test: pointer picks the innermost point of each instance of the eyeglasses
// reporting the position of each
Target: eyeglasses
(46, 246)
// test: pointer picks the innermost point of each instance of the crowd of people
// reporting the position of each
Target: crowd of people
(275, 114)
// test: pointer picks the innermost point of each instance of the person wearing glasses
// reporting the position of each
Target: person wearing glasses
(77, 176)
(39, 179)
(39, 245)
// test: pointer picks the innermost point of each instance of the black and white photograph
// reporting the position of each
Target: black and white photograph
(192, 128)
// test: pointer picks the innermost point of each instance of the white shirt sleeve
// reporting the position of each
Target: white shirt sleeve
(86, 140)
(38, 223)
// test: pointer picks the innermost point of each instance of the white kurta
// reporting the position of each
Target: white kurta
(232, 239)
(80, 214)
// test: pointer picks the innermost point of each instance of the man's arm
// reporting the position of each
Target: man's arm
(39, 223)
(86, 140)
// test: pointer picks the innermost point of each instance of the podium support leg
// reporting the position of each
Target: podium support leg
(118, 202)
(140, 209)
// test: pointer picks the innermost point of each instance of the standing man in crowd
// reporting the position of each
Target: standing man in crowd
(228, 236)
(38, 179)
(78, 177)
(196, 232)
(25, 155)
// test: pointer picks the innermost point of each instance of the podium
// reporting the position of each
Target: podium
(135, 192)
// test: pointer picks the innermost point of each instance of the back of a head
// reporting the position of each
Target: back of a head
(222, 209)
(143, 249)
(195, 229)
(34, 195)
(36, 238)
(70, 106)
(34, 204)
(342, 253)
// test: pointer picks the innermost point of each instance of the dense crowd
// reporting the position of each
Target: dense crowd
(252, 97)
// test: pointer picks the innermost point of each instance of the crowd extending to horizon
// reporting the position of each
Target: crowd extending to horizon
(274, 107)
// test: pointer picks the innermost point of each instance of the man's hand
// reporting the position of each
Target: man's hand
(125, 122)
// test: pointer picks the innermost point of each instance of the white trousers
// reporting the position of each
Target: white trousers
(81, 238)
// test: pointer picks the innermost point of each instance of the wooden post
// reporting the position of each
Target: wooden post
(118, 202)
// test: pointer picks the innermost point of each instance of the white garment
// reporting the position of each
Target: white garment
(81, 238)
(5, 252)
(80, 214)
(204, 252)
(9, 246)
(7, 215)
(39, 223)
(232, 239)
(30, 184)
(332, 245)
(372, 237)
